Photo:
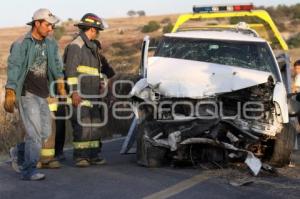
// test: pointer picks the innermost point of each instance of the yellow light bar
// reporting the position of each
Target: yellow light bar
(262, 14)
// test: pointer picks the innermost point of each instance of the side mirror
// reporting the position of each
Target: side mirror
(144, 57)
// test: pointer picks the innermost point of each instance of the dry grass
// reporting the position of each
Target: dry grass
(294, 54)
(9, 124)
(10, 132)
(7, 35)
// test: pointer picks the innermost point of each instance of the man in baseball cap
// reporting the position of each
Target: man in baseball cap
(34, 64)
(43, 22)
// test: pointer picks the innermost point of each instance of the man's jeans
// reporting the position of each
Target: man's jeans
(36, 118)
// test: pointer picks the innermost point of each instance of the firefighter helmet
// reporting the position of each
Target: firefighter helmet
(92, 20)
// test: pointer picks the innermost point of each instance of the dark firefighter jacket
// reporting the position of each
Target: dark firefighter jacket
(85, 66)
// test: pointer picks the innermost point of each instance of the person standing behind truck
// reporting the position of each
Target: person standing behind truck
(33, 65)
(296, 85)
(60, 132)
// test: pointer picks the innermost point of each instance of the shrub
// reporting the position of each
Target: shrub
(151, 27)
(212, 24)
(131, 13)
(294, 42)
(296, 11)
(168, 28)
(166, 20)
(141, 13)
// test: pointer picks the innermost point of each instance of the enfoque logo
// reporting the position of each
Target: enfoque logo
(124, 109)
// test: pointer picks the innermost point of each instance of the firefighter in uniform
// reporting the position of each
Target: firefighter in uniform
(85, 68)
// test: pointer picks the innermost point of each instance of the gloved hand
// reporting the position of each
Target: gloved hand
(10, 99)
(61, 87)
(76, 99)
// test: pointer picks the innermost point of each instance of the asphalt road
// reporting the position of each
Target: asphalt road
(123, 178)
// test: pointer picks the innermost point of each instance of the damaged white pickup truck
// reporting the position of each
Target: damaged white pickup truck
(212, 96)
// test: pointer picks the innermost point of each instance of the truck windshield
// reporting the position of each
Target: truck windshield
(251, 55)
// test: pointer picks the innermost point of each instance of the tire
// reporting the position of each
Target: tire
(283, 146)
(147, 154)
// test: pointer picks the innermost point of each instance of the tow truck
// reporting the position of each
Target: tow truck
(214, 93)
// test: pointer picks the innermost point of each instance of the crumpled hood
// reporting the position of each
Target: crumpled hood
(194, 79)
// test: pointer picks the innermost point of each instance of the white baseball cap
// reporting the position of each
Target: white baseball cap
(44, 14)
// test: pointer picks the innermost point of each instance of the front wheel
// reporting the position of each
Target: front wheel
(147, 154)
(283, 146)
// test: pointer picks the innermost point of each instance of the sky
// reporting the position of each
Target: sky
(18, 12)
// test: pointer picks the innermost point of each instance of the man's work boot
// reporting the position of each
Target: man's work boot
(82, 162)
(98, 161)
(50, 164)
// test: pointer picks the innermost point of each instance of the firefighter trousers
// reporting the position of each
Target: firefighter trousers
(86, 132)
